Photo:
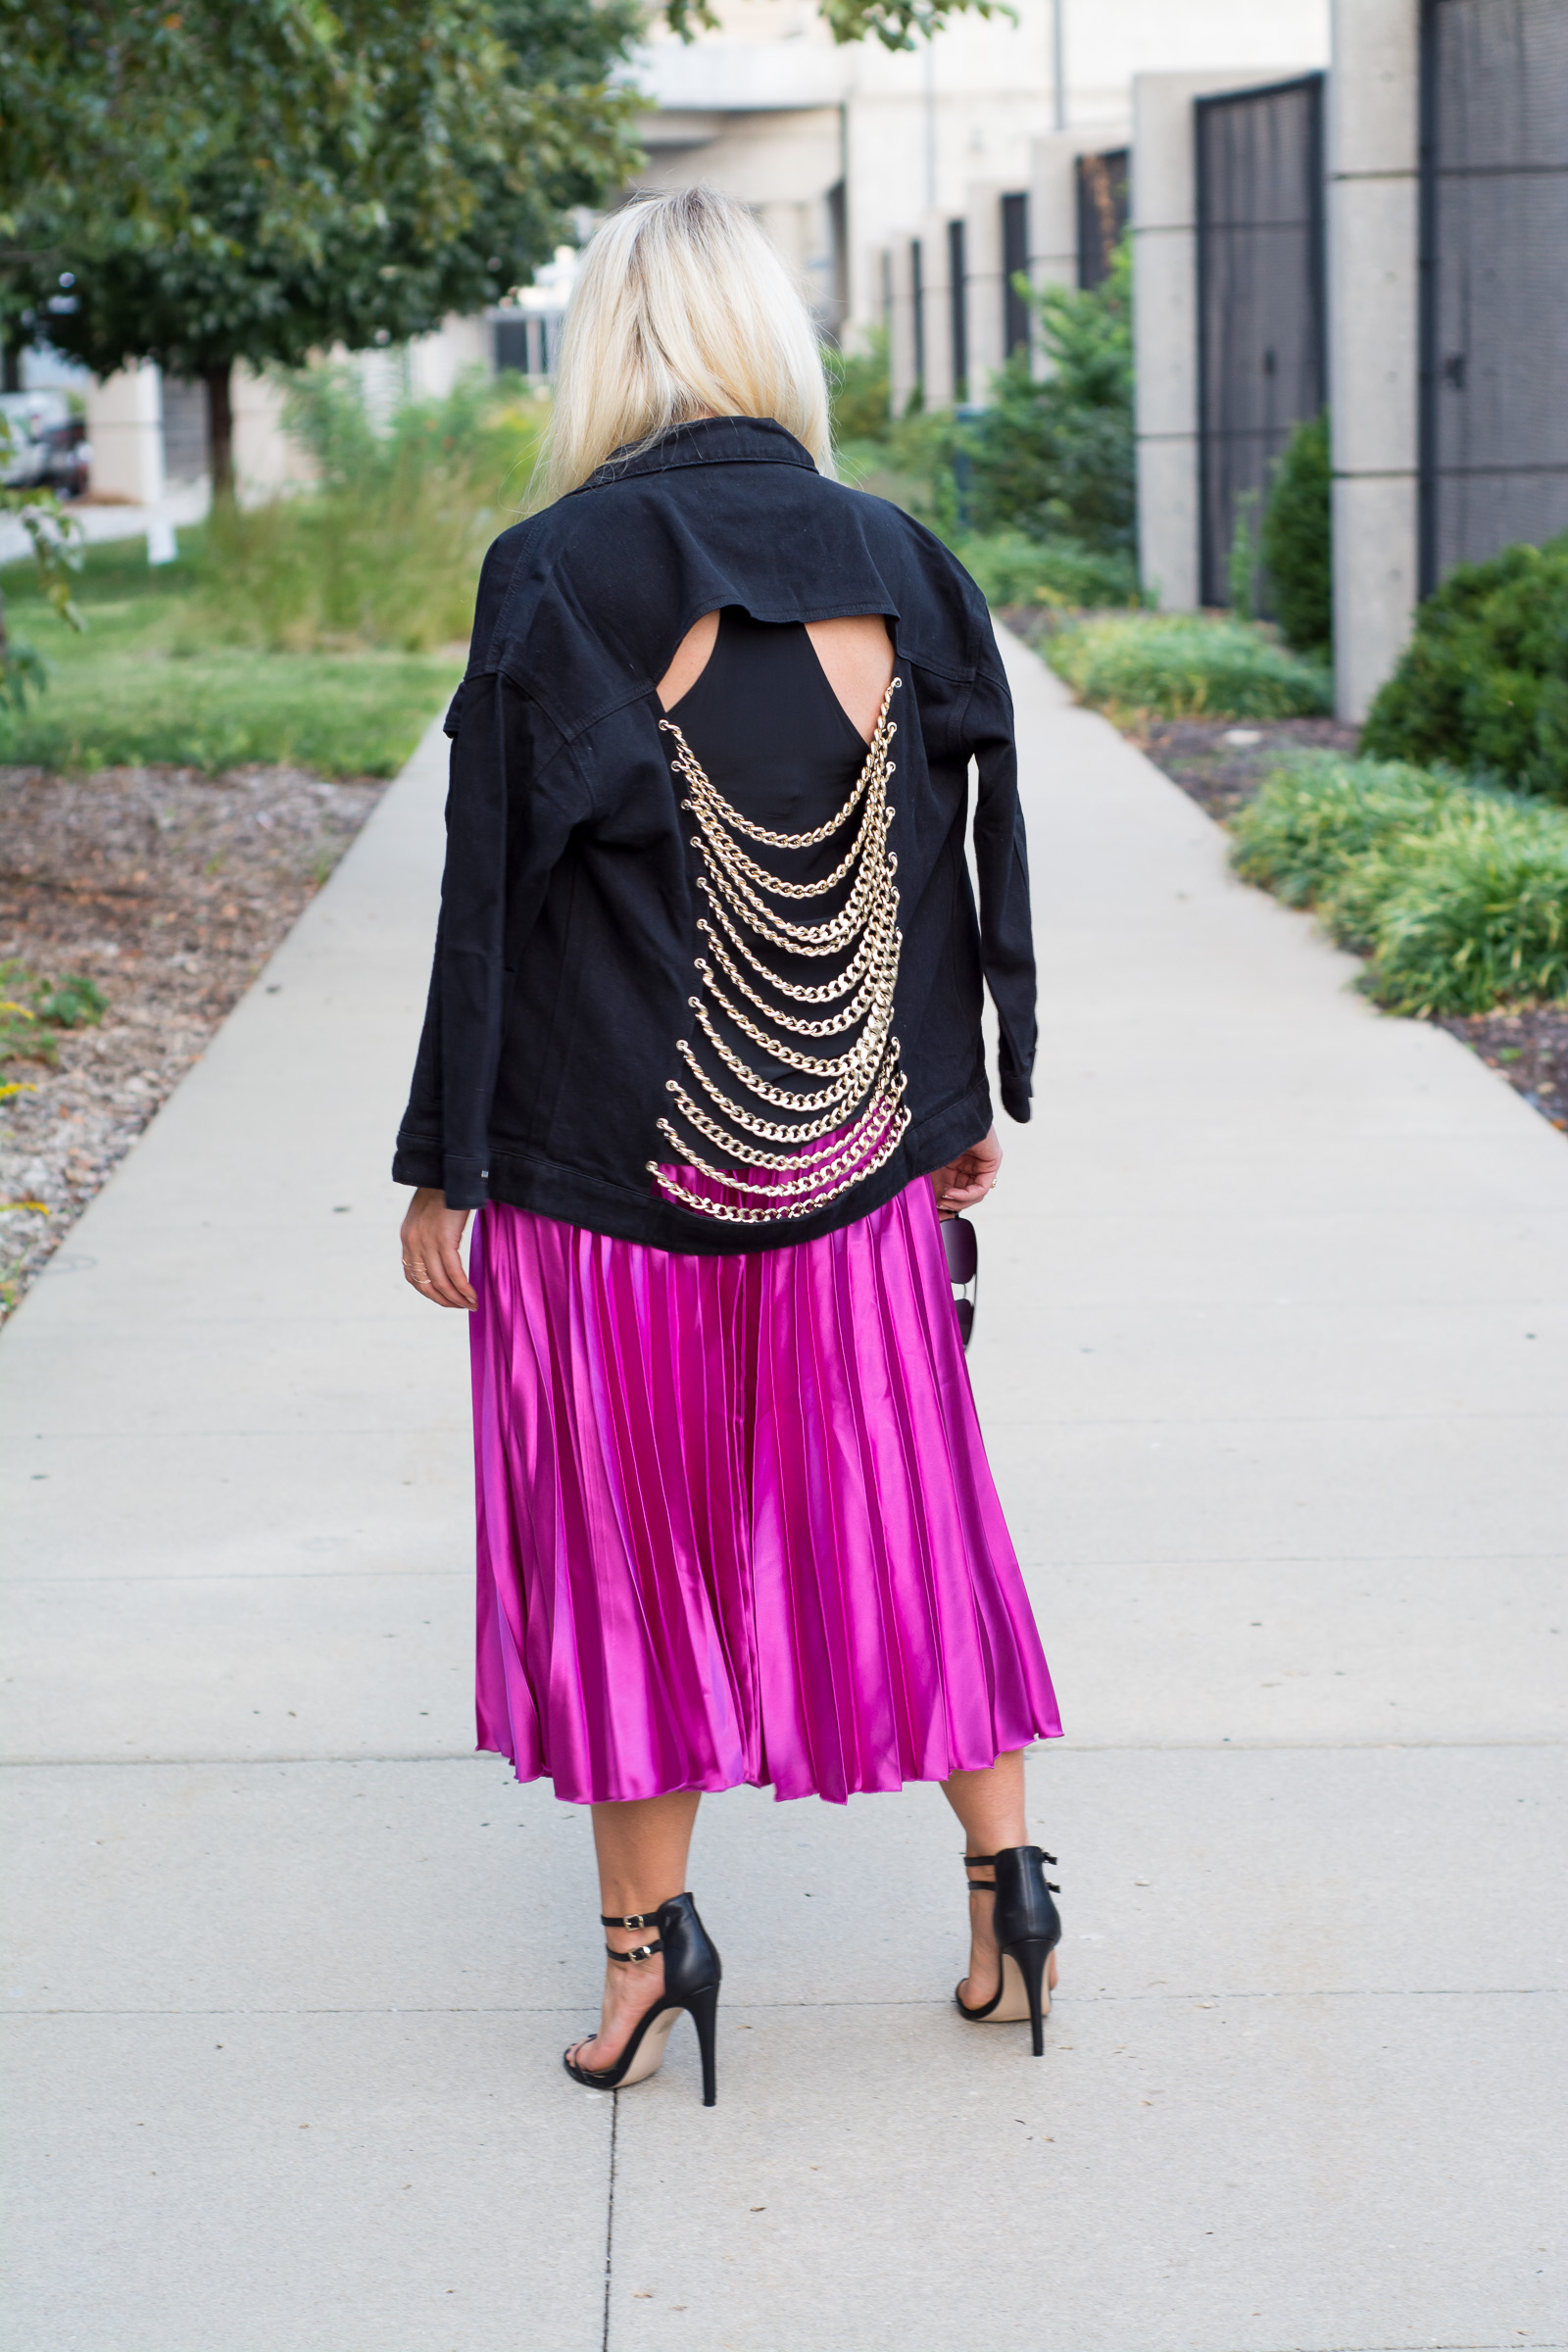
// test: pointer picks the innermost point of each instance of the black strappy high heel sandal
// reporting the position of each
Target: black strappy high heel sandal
(1028, 1928)
(692, 1973)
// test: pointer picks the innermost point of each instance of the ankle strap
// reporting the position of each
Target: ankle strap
(987, 1862)
(639, 1951)
(629, 1919)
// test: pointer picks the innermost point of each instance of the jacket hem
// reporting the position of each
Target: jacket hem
(546, 1188)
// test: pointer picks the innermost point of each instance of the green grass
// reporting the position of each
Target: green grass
(146, 683)
(1457, 893)
(1183, 667)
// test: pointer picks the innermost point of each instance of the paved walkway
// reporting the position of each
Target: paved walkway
(1272, 1348)
(183, 504)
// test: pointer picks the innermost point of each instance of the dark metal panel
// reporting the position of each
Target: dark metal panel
(1015, 263)
(1103, 199)
(1493, 277)
(1262, 345)
(957, 274)
(918, 298)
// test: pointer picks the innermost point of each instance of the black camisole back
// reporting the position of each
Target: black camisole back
(767, 726)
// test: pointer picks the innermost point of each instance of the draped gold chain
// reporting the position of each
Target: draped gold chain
(856, 1102)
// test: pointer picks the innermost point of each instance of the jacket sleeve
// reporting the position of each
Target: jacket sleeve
(513, 801)
(1002, 867)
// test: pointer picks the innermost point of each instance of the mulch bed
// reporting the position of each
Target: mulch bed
(1219, 763)
(170, 888)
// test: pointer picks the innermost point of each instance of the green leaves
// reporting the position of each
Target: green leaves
(1297, 541)
(1458, 894)
(896, 24)
(31, 1010)
(55, 539)
(298, 176)
(1186, 667)
(1055, 457)
(1484, 681)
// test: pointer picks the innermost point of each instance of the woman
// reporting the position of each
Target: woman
(703, 1052)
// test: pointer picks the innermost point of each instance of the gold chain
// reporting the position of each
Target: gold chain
(858, 1105)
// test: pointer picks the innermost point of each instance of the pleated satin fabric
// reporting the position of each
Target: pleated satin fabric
(735, 1518)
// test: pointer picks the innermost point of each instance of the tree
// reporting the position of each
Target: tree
(438, 148)
(1298, 538)
(1055, 457)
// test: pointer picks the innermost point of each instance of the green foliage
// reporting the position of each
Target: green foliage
(359, 175)
(1184, 667)
(32, 1009)
(386, 553)
(1459, 893)
(896, 24)
(1055, 459)
(55, 539)
(1241, 565)
(124, 695)
(1318, 814)
(860, 390)
(1297, 542)
(1484, 681)
(1010, 569)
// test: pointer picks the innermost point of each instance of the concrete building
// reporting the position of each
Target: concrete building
(846, 152)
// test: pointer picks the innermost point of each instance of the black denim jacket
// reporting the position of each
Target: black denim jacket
(565, 949)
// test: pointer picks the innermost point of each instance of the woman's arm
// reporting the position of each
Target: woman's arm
(432, 1251)
(966, 1181)
(1002, 868)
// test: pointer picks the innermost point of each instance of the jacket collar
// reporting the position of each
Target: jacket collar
(709, 441)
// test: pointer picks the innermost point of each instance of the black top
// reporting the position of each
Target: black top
(573, 890)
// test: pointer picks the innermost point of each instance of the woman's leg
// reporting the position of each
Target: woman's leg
(991, 1806)
(642, 1850)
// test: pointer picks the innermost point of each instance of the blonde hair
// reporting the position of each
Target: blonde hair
(682, 308)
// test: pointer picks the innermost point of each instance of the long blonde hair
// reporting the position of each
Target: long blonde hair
(682, 308)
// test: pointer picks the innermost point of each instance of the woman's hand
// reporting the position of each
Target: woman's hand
(432, 1251)
(966, 1180)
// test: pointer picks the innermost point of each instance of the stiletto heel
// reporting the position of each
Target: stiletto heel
(692, 1975)
(1028, 1928)
(704, 2007)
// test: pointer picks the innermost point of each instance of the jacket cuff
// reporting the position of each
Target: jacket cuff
(418, 1163)
(1015, 1091)
(465, 1183)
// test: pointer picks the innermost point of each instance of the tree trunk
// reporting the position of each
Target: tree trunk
(219, 429)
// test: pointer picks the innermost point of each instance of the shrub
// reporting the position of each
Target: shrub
(1484, 681)
(1317, 813)
(1459, 893)
(1055, 459)
(860, 389)
(1184, 667)
(1010, 569)
(386, 550)
(1296, 544)
(1477, 914)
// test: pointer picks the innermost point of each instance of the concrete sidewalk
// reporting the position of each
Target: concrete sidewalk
(1271, 1355)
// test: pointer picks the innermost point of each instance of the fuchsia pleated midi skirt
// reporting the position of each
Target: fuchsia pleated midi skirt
(735, 1519)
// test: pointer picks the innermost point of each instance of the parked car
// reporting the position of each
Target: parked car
(47, 449)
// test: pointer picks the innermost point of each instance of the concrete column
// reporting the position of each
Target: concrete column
(901, 356)
(1164, 225)
(1053, 204)
(937, 309)
(1372, 220)
(984, 323)
(125, 432)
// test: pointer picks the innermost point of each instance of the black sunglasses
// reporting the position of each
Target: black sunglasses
(964, 1270)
